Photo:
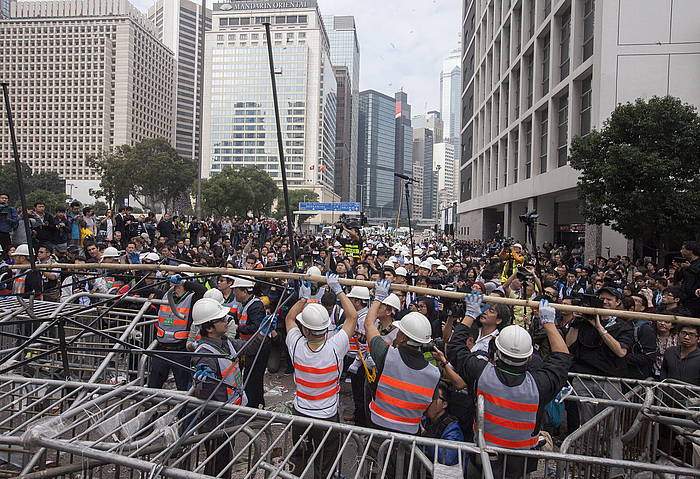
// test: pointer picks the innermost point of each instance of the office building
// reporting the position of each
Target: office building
(376, 150)
(179, 27)
(239, 121)
(451, 98)
(403, 149)
(85, 76)
(444, 167)
(433, 122)
(4, 9)
(345, 52)
(424, 203)
(343, 136)
(541, 72)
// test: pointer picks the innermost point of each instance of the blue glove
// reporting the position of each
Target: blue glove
(547, 313)
(203, 372)
(382, 288)
(305, 290)
(473, 301)
(175, 279)
(333, 283)
(134, 257)
(269, 324)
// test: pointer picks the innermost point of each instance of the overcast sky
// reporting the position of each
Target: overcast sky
(402, 43)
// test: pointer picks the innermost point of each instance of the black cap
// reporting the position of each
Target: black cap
(72, 248)
(617, 292)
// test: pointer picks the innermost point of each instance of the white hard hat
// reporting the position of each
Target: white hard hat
(426, 264)
(418, 251)
(442, 267)
(415, 326)
(21, 250)
(244, 282)
(444, 248)
(518, 245)
(315, 317)
(228, 276)
(388, 264)
(208, 309)
(183, 267)
(214, 294)
(393, 301)
(314, 270)
(359, 292)
(401, 271)
(110, 252)
(449, 261)
(515, 342)
(436, 261)
(416, 260)
(151, 257)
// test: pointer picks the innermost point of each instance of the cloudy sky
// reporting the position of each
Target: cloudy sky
(402, 43)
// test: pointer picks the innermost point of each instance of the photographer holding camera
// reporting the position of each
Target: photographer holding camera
(9, 220)
(512, 255)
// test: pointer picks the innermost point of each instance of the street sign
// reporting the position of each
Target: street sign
(334, 207)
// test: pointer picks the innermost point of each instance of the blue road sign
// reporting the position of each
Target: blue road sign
(337, 207)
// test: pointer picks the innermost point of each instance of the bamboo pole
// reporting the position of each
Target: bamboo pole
(254, 273)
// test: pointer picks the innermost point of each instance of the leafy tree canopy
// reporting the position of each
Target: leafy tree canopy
(295, 197)
(49, 198)
(640, 172)
(45, 181)
(239, 191)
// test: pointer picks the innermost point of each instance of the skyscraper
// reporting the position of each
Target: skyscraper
(4, 9)
(345, 52)
(343, 136)
(101, 79)
(239, 122)
(376, 150)
(423, 155)
(179, 28)
(451, 94)
(403, 156)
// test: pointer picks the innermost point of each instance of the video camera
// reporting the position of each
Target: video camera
(586, 301)
(353, 222)
(524, 275)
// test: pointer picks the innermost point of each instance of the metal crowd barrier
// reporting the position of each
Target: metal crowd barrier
(94, 426)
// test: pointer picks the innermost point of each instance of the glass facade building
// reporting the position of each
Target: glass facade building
(376, 152)
(239, 121)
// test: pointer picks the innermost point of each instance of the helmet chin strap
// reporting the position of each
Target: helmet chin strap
(510, 362)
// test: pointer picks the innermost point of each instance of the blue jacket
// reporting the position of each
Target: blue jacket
(9, 222)
(452, 432)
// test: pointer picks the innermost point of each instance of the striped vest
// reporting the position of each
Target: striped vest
(19, 283)
(243, 317)
(317, 384)
(510, 413)
(403, 394)
(171, 329)
(355, 345)
(229, 372)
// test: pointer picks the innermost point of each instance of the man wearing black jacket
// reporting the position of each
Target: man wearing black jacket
(508, 380)
(682, 362)
(689, 276)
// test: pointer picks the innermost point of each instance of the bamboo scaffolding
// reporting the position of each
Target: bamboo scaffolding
(253, 273)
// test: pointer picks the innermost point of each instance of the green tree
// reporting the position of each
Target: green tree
(100, 208)
(151, 171)
(227, 194)
(47, 181)
(640, 172)
(295, 197)
(264, 189)
(160, 173)
(51, 199)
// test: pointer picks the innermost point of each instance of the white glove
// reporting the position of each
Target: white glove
(547, 313)
(473, 300)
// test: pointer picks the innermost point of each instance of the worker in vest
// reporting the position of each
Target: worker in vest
(318, 363)
(514, 396)
(172, 331)
(249, 318)
(218, 379)
(359, 297)
(109, 283)
(406, 381)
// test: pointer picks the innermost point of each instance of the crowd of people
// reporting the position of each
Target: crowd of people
(416, 361)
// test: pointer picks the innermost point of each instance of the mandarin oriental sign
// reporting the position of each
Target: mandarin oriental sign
(264, 5)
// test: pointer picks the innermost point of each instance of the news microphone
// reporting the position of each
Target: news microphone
(404, 177)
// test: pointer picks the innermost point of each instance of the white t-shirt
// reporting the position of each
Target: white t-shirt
(482, 344)
(332, 352)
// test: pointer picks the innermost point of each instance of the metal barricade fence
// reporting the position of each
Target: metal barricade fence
(92, 334)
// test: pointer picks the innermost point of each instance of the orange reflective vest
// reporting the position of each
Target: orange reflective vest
(317, 384)
(171, 329)
(243, 317)
(510, 413)
(113, 283)
(229, 372)
(403, 394)
(18, 285)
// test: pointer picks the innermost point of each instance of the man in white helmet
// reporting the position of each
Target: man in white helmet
(359, 297)
(249, 318)
(109, 283)
(514, 396)
(318, 363)
(218, 379)
(25, 281)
